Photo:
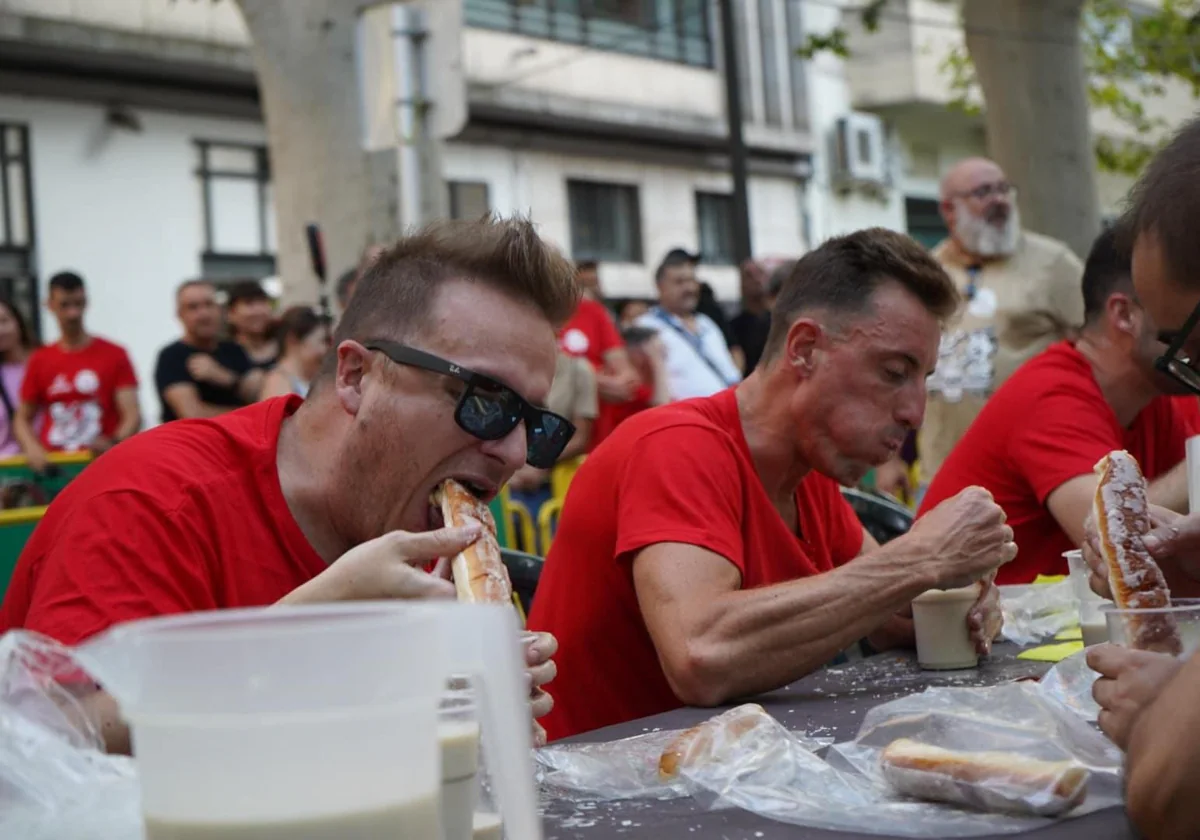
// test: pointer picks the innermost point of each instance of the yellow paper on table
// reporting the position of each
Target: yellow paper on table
(1052, 653)
(1043, 579)
(1071, 634)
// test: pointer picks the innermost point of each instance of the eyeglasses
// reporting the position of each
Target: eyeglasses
(490, 410)
(1000, 189)
(1176, 363)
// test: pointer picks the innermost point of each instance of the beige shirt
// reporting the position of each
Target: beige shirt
(1021, 306)
(573, 393)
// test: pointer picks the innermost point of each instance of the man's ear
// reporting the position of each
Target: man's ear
(353, 361)
(800, 347)
(1123, 313)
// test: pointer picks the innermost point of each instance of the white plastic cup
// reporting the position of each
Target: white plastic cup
(1192, 450)
(1092, 624)
(940, 624)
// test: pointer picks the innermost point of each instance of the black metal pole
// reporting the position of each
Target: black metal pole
(737, 143)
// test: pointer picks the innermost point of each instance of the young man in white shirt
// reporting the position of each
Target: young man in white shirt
(699, 363)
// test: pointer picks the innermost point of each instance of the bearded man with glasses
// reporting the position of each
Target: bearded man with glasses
(1021, 293)
(440, 364)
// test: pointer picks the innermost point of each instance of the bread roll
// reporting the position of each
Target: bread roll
(479, 572)
(1122, 517)
(714, 740)
(990, 781)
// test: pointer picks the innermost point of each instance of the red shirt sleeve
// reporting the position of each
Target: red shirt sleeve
(1070, 435)
(123, 375)
(606, 332)
(681, 484)
(31, 383)
(845, 531)
(120, 557)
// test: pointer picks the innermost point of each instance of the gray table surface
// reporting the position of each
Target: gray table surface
(829, 702)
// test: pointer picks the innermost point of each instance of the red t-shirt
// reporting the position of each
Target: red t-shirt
(591, 333)
(78, 390)
(1046, 425)
(188, 516)
(677, 473)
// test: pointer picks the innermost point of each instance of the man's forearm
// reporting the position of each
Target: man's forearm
(759, 639)
(1162, 767)
(1170, 490)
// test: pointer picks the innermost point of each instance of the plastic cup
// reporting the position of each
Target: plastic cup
(1092, 624)
(940, 624)
(458, 738)
(1126, 626)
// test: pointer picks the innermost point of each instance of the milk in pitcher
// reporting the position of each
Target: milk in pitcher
(411, 821)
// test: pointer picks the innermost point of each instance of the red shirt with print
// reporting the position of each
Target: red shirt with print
(187, 516)
(1047, 424)
(591, 334)
(677, 473)
(78, 391)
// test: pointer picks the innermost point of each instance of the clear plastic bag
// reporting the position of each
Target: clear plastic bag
(55, 780)
(783, 777)
(1070, 683)
(1032, 613)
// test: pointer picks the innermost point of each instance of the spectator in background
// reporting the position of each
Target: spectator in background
(591, 334)
(587, 272)
(304, 340)
(251, 317)
(202, 375)
(84, 384)
(699, 363)
(1021, 294)
(648, 355)
(750, 326)
(629, 310)
(15, 346)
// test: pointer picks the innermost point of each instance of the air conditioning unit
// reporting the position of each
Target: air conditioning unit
(859, 152)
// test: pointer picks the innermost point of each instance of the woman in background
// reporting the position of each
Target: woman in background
(15, 346)
(303, 340)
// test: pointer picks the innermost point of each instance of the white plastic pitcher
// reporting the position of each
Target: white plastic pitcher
(314, 721)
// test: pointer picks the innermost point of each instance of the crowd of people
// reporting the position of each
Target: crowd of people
(705, 551)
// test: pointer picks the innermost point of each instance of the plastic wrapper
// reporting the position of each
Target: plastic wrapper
(1032, 613)
(55, 780)
(782, 775)
(1070, 683)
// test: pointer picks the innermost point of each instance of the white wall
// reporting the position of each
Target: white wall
(200, 21)
(536, 183)
(124, 210)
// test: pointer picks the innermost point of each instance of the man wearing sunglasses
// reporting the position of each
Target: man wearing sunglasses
(705, 551)
(1150, 703)
(440, 363)
(1020, 294)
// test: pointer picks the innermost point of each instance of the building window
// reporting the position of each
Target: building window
(239, 225)
(18, 278)
(468, 199)
(772, 89)
(606, 222)
(674, 30)
(924, 221)
(714, 217)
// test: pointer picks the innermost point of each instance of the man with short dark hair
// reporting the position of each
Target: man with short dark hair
(202, 374)
(83, 385)
(440, 362)
(699, 363)
(251, 316)
(1036, 442)
(706, 552)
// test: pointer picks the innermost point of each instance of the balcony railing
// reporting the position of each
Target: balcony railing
(672, 30)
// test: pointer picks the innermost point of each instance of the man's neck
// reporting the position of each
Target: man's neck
(1126, 389)
(74, 340)
(305, 464)
(253, 343)
(200, 343)
(770, 435)
(688, 318)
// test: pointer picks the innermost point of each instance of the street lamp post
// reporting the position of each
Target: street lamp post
(737, 142)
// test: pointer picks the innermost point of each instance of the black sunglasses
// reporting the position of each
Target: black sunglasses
(1175, 363)
(490, 410)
